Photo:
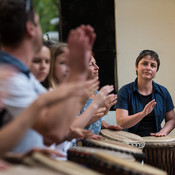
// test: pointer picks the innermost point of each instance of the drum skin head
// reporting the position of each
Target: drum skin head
(92, 151)
(122, 136)
(159, 141)
(111, 144)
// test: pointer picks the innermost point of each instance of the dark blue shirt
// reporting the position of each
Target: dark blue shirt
(128, 98)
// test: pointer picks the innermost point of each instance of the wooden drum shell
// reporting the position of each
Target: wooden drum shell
(160, 153)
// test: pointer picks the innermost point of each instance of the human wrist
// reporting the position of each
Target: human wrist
(142, 114)
(94, 105)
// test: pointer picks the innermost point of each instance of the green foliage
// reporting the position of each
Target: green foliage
(47, 9)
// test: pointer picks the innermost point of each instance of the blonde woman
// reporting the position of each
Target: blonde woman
(97, 103)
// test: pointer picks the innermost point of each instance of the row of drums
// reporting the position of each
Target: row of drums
(119, 152)
(123, 153)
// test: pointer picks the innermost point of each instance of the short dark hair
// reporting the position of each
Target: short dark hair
(153, 55)
(13, 17)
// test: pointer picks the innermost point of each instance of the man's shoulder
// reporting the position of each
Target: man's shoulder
(8, 59)
(22, 90)
(19, 82)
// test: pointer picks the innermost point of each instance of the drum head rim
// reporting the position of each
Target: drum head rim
(122, 134)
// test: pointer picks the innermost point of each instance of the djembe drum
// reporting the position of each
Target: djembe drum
(107, 163)
(26, 170)
(160, 152)
(84, 155)
(113, 165)
(42, 164)
(115, 146)
(125, 137)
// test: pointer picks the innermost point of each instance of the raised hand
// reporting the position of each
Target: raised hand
(110, 101)
(98, 102)
(80, 42)
(98, 114)
(79, 134)
(89, 92)
(149, 107)
(89, 31)
(102, 95)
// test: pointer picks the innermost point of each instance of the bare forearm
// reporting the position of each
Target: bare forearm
(11, 133)
(86, 117)
(94, 119)
(168, 127)
(129, 121)
(58, 118)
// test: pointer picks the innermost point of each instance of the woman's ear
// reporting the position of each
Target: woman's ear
(136, 67)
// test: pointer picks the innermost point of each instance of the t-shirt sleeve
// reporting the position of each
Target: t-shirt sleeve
(122, 99)
(169, 102)
(19, 95)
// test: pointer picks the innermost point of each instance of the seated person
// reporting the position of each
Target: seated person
(40, 67)
(18, 50)
(12, 132)
(96, 122)
(92, 118)
(143, 104)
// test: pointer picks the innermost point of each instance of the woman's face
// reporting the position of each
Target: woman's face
(61, 68)
(41, 64)
(93, 68)
(147, 68)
